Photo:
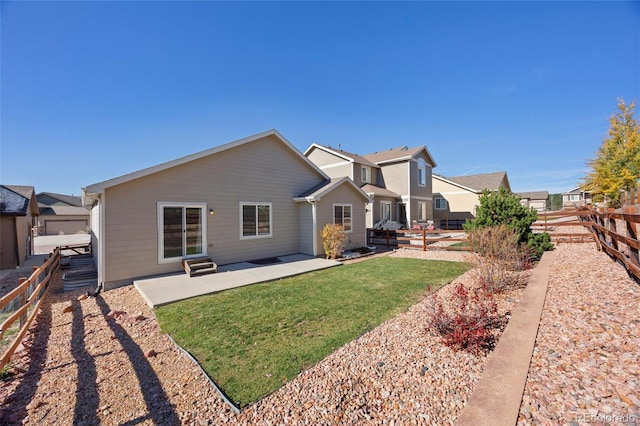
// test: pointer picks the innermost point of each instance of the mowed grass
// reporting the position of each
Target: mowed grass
(251, 340)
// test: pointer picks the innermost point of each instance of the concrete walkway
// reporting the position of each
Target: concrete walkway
(497, 397)
(166, 289)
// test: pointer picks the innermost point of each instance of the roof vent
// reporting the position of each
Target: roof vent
(404, 148)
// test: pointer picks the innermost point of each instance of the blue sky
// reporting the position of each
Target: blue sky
(93, 90)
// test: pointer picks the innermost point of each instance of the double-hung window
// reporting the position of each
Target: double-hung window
(182, 231)
(342, 216)
(255, 220)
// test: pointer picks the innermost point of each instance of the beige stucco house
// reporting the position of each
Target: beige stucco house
(253, 198)
(536, 199)
(18, 215)
(397, 180)
(457, 198)
(61, 214)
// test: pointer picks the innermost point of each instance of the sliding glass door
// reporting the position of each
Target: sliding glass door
(181, 231)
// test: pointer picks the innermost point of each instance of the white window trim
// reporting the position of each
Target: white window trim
(160, 225)
(254, 237)
(435, 203)
(333, 213)
(422, 166)
(367, 173)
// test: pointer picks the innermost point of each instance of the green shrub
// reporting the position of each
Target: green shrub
(538, 244)
(503, 208)
(334, 240)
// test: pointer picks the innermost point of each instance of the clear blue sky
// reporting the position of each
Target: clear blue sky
(94, 90)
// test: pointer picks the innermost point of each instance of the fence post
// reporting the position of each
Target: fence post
(633, 234)
(424, 239)
(23, 301)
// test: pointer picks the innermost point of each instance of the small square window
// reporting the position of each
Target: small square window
(441, 204)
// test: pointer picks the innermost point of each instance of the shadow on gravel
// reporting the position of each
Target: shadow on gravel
(87, 398)
(15, 406)
(159, 408)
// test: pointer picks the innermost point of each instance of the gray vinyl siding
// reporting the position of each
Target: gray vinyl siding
(260, 171)
(345, 194)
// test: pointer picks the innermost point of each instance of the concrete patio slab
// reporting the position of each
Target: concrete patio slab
(167, 289)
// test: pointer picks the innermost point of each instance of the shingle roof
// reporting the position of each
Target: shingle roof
(14, 199)
(318, 191)
(378, 191)
(338, 151)
(63, 210)
(534, 195)
(491, 181)
(395, 154)
(53, 199)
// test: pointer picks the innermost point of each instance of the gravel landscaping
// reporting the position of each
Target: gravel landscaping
(104, 361)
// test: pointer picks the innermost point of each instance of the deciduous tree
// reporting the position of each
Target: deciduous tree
(616, 166)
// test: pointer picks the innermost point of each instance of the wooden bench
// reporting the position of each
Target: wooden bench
(199, 266)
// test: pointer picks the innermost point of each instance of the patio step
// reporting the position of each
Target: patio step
(199, 266)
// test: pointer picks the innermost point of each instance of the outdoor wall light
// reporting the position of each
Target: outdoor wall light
(211, 212)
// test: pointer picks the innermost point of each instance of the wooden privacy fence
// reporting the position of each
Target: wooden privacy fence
(19, 308)
(421, 239)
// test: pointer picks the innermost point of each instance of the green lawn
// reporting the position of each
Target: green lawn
(250, 339)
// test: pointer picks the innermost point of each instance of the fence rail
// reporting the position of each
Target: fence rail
(616, 233)
(20, 306)
(422, 239)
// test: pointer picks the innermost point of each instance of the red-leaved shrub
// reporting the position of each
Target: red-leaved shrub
(465, 322)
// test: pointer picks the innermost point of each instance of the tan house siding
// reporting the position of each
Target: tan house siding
(323, 158)
(461, 203)
(396, 178)
(342, 195)
(7, 243)
(221, 181)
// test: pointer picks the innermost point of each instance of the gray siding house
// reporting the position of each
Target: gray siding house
(253, 198)
(397, 180)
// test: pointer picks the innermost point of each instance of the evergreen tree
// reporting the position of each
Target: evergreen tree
(503, 208)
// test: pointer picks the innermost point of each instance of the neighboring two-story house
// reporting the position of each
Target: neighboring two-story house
(397, 180)
(457, 198)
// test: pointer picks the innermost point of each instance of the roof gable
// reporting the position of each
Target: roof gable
(91, 192)
(318, 191)
(347, 156)
(402, 153)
